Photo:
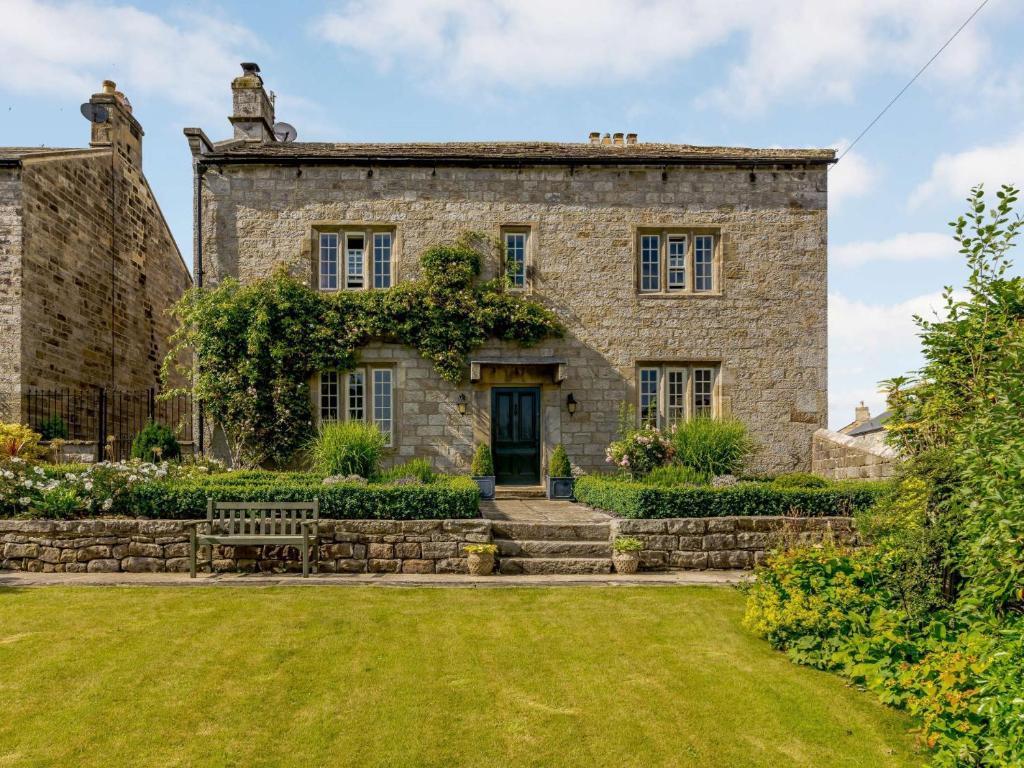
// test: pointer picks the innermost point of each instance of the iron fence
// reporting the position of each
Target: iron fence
(109, 418)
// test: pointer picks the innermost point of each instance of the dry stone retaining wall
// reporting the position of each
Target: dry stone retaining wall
(726, 542)
(841, 457)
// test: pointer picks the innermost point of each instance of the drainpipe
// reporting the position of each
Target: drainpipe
(199, 168)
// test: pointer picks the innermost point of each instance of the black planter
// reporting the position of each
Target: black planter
(561, 487)
(486, 483)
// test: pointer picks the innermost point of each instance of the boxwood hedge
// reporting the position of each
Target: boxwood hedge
(637, 500)
(446, 498)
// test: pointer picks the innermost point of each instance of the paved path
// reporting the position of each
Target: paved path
(541, 511)
(21, 579)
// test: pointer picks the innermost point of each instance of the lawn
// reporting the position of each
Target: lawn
(369, 676)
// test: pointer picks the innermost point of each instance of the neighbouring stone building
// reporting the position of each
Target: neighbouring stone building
(88, 266)
(691, 279)
(858, 451)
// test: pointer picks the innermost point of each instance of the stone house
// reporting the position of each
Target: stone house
(691, 280)
(88, 265)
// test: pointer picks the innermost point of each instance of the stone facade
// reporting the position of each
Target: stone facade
(727, 542)
(841, 457)
(762, 328)
(387, 546)
(88, 266)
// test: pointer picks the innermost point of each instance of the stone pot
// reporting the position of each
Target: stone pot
(626, 562)
(486, 484)
(480, 563)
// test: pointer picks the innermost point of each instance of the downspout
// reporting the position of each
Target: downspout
(199, 283)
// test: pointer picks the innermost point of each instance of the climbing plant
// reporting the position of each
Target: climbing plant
(254, 347)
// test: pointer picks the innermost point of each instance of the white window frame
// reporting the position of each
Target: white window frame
(367, 277)
(668, 410)
(698, 372)
(357, 395)
(673, 273)
(323, 240)
(518, 278)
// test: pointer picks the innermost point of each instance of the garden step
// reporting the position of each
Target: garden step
(530, 531)
(520, 492)
(547, 548)
(547, 565)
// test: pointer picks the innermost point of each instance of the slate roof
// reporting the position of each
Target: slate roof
(875, 424)
(509, 152)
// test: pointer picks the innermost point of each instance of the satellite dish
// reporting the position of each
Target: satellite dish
(95, 113)
(284, 132)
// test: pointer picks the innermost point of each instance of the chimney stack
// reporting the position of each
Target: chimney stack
(861, 413)
(595, 137)
(617, 139)
(253, 117)
(606, 139)
(120, 131)
(631, 138)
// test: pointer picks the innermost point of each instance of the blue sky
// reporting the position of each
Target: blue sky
(732, 72)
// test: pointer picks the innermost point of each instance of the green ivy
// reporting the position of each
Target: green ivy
(256, 346)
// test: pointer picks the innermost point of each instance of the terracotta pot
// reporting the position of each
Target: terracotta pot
(480, 564)
(626, 562)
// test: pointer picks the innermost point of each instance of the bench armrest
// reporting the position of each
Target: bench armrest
(307, 523)
(193, 523)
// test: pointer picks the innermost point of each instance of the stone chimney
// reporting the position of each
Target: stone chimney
(861, 413)
(253, 109)
(120, 130)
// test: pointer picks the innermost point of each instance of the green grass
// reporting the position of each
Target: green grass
(368, 676)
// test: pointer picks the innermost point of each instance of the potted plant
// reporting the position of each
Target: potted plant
(482, 470)
(626, 554)
(561, 483)
(480, 558)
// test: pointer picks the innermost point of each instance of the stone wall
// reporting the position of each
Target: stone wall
(10, 291)
(766, 327)
(146, 546)
(841, 457)
(727, 542)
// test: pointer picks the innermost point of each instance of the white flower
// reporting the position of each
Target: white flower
(39, 471)
(108, 504)
(24, 501)
(88, 485)
(27, 483)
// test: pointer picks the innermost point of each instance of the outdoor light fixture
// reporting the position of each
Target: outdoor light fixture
(570, 404)
(462, 404)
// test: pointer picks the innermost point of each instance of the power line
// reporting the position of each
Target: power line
(912, 80)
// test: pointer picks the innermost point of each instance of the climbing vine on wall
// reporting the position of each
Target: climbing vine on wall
(255, 347)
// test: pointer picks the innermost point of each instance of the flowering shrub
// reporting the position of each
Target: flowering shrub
(19, 440)
(641, 451)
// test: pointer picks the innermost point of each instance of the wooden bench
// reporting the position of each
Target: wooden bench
(254, 524)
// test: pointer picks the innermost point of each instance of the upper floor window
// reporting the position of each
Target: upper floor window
(516, 245)
(671, 393)
(356, 258)
(677, 260)
(359, 395)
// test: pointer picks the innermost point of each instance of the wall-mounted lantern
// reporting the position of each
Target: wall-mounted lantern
(462, 404)
(570, 404)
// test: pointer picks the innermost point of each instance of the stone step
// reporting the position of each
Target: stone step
(503, 492)
(520, 530)
(531, 566)
(560, 548)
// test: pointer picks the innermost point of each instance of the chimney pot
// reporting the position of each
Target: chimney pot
(617, 139)
(109, 87)
(631, 138)
(595, 137)
(606, 139)
(250, 68)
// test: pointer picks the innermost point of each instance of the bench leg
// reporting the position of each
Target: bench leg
(305, 552)
(192, 553)
(209, 558)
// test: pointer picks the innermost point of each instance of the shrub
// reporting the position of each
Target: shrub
(558, 465)
(53, 427)
(675, 474)
(627, 544)
(799, 480)
(347, 448)
(642, 500)
(712, 446)
(481, 549)
(483, 464)
(19, 441)
(640, 451)
(421, 469)
(155, 443)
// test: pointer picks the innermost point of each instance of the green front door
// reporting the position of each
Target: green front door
(515, 435)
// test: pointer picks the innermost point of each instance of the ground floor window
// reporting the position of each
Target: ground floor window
(360, 399)
(669, 393)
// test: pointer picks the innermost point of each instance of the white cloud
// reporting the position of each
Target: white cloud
(869, 343)
(852, 177)
(69, 48)
(907, 246)
(806, 47)
(953, 175)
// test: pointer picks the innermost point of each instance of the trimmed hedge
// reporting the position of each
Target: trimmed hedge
(637, 500)
(446, 498)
